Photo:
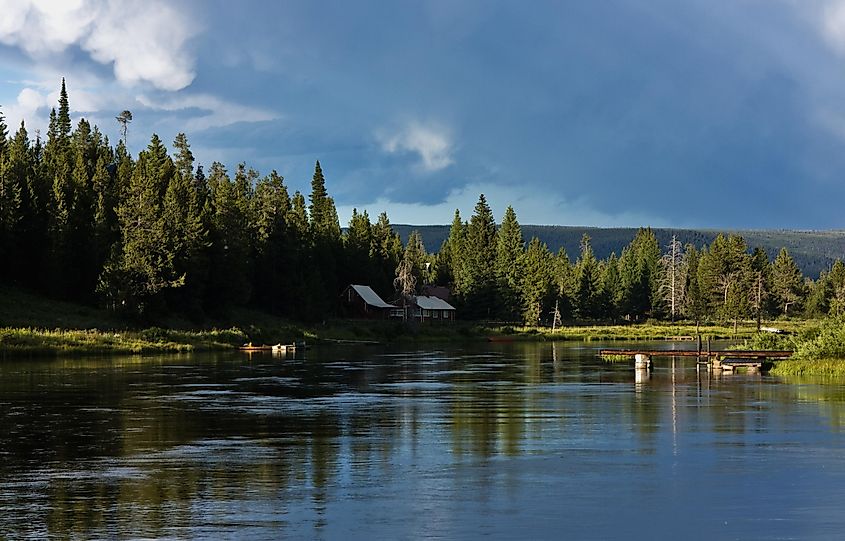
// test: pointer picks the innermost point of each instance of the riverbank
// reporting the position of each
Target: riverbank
(33, 325)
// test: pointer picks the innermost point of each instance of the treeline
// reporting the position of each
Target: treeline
(155, 234)
(496, 275)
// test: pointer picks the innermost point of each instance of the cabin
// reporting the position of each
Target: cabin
(362, 302)
(427, 309)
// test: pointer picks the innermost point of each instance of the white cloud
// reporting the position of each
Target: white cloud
(533, 208)
(144, 41)
(212, 112)
(833, 23)
(431, 143)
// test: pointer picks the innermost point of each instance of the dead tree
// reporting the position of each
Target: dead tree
(672, 282)
(405, 284)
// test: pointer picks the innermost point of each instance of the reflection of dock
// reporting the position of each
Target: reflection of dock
(719, 360)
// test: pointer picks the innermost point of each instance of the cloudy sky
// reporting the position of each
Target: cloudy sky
(684, 113)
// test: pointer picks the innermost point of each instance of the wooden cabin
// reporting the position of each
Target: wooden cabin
(427, 309)
(362, 302)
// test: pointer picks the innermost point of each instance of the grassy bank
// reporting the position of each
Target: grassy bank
(30, 341)
(33, 325)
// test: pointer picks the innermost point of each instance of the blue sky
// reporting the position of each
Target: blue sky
(681, 113)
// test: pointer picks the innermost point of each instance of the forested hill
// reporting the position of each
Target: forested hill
(813, 251)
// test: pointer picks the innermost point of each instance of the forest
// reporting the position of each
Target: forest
(156, 234)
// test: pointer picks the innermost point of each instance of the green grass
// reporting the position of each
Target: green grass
(834, 368)
(29, 341)
(31, 324)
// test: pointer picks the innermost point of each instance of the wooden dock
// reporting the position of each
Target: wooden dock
(736, 354)
(724, 360)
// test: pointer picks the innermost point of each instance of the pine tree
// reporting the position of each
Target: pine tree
(386, 251)
(696, 299)
(416, 259)
(509, 251)
(760, 284)
(564, 275)
(787, 283)
(328, 246)
(537, 282)
(611, 291)
(587, 282)
(479, 293)
(724, 274)
(836, 279)
(143, 266)
(453, 261)
(4, 134)
(359, 266)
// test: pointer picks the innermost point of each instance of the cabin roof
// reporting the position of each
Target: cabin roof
(433, 303)
(370, 297)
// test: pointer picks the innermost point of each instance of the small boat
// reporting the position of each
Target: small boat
(288, 348)
(500, 338)
(250, 347)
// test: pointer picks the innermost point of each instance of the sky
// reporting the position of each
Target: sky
(724, 114)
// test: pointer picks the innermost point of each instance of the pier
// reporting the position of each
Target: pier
(724, 360)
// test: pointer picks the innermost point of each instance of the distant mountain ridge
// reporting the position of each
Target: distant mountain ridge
(813, 251)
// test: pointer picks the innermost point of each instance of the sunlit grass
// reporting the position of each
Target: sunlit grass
(834, 368)
(31, 341)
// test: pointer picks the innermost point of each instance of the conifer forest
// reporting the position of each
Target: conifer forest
(83, 220)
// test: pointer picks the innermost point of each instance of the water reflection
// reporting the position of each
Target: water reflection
(405, 443)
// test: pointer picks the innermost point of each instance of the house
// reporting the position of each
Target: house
(441, 292)
(362, 301)
(423, 308)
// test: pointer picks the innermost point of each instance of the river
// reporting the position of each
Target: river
(503, 441)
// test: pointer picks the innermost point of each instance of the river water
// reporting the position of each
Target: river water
(503, 441)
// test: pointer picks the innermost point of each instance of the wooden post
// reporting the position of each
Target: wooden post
(642, 361)
(699, 345)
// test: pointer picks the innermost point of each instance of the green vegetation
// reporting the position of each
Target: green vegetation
(15, 342)
(819, 348)
(125, 243)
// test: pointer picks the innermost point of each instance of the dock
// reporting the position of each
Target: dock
(718, 360)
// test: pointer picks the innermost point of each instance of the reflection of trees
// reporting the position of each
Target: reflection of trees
(132, 456)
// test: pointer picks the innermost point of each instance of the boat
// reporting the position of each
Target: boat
(250, 347)
(288, 348)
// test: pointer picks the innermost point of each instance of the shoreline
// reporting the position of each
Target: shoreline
(59, 342)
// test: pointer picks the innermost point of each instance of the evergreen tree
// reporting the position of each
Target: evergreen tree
(4, 134)
(416, 260)
(479, 293)
(230, 282)
(451, 264)
(760, 284)
(564, 275)
(360, 266)
(724, 273)
(537, 282)
(696, 301)
(836, 279)
(325, 229)
(509, 250)
(143, 266)
(386, 251)
(271, 208)
(787, 283)
(611, 291)
(587, 282)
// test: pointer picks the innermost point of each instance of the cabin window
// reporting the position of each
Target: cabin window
(426, 313)
(435, 314)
